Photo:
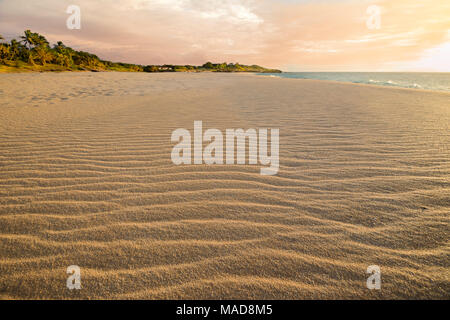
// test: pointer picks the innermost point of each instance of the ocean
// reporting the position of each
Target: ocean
(417, 80)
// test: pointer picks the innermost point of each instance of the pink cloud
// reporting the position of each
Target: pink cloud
(308, 35)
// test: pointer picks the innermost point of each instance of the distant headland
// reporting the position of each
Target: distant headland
(32, 52)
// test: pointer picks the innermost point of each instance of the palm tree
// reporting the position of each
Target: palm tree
(32, 39)
(4, 52)
(28, 39)
(38, 47)
(14, 49)
(43, 54)
(61, 59)
(40, 40)
(63, 55)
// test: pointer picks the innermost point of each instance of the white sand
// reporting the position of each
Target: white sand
(86, 179)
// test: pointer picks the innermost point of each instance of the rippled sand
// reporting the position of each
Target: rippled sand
(86, 179)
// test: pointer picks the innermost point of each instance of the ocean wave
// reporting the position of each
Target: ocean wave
(386, 83)
(396, 84)
(403, 80)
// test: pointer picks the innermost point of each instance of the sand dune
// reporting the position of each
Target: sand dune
(86, 179)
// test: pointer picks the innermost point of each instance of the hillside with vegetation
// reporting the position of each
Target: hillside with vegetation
(32, 52)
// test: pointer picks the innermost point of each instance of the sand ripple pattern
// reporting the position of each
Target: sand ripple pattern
(86, 179)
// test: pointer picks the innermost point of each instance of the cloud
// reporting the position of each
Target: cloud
(305, 35)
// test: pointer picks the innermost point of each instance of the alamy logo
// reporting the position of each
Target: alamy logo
(74, 279)
(213, 153)
(373, 22)
(74, 20)
(374, 280)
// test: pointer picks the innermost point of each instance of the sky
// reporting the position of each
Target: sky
(293, 35)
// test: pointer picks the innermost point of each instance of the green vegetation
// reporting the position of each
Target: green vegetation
(34, 53)
(235, 67)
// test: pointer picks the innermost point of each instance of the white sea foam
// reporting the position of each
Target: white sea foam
(429, 81)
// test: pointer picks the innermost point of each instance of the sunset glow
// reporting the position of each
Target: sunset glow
(294, 35)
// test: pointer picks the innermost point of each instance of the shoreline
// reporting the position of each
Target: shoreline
(269, 76)
(360, 84)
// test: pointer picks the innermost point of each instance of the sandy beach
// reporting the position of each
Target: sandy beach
(86, 179)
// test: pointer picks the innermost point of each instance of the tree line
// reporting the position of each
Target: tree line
(32, 51)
